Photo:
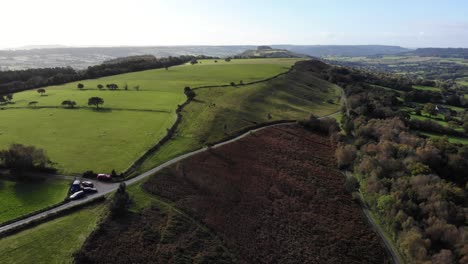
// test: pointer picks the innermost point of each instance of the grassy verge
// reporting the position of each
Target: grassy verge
(51, 242)
(18, 198)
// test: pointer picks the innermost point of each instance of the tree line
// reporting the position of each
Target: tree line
(14, 81)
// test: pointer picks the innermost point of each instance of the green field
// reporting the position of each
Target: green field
(426, 88)
(130, 122)
(218, 112)
(19, 198)
(451, 139)
(462, 81)
(51, 242)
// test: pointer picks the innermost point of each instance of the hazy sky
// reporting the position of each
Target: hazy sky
(409, 23)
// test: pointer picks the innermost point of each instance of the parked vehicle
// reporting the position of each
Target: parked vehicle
(75, 187)
(90, 190)
(104, 177)
(77, 195)
(87, 184)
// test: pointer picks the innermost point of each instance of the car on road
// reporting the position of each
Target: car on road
(75, 187)
(77, 195)
(87, 184)
(104, 177)
(90, 190)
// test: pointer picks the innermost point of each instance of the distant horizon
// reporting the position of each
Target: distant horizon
(59, 46)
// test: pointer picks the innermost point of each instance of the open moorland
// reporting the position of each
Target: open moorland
(273, 192)
(132, 119)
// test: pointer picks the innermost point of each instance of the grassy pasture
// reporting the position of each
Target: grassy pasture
(426, 88)
(462, 81)
(51, 242)
(19, 198)
(452, 139)
(131, 121)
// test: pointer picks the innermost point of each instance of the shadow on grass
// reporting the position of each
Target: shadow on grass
(102, 110)
(198, 101)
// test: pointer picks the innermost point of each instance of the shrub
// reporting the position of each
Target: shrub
(325, 125)
(189, 93)
(20, 158)
(345, 155)
(89, 174)
(351, 184)
(120, 201)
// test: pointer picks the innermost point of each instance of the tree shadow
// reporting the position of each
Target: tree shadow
(102, 110)
(198, 101)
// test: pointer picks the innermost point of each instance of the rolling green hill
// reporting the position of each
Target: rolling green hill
(269, 52)
(218, 112)
(130, 121)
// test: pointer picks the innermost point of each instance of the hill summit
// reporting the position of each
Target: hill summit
(269, 52)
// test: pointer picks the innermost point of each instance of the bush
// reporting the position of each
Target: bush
(351, 184)
(89, 174)
(120, 201)
(189, 93)
(345, 155)
(21, 158)
(325, 125)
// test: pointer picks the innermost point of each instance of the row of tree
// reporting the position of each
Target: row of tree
(14, 81)
(92, 101)
(110, 86)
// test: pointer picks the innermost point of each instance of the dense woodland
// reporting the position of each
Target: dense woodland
(14, 81)
(416, 185)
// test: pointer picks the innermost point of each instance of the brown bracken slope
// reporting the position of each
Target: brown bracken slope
(273, 197)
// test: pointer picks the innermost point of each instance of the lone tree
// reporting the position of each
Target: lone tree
(96, 101)
(430, 109)
(32, 103)
(80, 86)
(194, 61)
(69, 103)
(228, 59)
(120, 201)
(21, 158)
(9, 97)
(41, 91)
(125, 86)
(189, 93)
(100, 86)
